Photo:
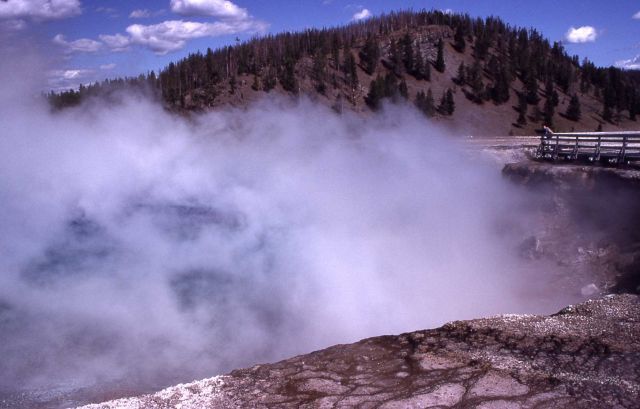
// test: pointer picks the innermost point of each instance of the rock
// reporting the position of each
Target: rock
(588, 216)
(585, 356)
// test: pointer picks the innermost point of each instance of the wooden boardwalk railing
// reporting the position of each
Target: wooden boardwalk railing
(608, 147)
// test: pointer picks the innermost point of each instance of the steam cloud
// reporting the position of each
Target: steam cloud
(136, 243)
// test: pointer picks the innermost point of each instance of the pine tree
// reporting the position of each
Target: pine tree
(461, 77)
(376, 93)
(440, 65)
(370, 54)
(442, 107)
(335, 52)
(573, 110)
(447, 104)
(319, 71)
(430, 104)
(475, 81)
(233, 82)
(403, 90)
(425, 103)
(531, 89)
(270, 79)
(421, 100)
(423, 68)
(418, 68)
(350, 70)
(537, 113)
(256, 83)
(607, 115)
(550, 92)
(458, 39)
(481, 46)
(608, 102)
(549, 110)
(395, 58)
(451, 104)
(633, 103)
(288, 77)
(407, 54)
(522, 110)
(500, 89)
(391, 86)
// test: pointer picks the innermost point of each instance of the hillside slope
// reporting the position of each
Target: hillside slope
(503, 80)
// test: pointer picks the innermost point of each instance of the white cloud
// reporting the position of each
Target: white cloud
(584, 34)
(82, 45)
(631, 64)
(140, 13)
(107, 67)
(361, 15)
(216, 8)
(172, 35)
(116, 42)
(636, 16)
(39, 10)
(68, 79)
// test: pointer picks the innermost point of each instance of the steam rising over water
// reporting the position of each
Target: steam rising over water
(138, 244)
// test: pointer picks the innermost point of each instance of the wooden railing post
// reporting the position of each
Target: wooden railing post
(615, 147)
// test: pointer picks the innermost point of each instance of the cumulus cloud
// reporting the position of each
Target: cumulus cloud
(116, 42)
(636, 16)
(630, 64)
(68, 79)
(584, 34)
(82, 45)
(361, 15)
(216, 8)
(39, 10)
(172, 35)
(161, 38)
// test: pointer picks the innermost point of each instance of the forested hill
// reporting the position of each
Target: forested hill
(482, 75)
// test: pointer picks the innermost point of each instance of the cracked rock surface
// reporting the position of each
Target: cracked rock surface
(585, 356)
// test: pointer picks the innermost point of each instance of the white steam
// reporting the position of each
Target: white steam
(136, 243)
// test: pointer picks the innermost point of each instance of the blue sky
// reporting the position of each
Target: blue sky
(85, 40)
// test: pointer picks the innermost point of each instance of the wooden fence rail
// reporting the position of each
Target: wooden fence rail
(609, 147)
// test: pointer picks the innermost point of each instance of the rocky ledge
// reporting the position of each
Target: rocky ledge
(587, 355)
(571, 174)
(588, 221)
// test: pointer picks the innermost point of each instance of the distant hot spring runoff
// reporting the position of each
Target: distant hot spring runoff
(139, 248)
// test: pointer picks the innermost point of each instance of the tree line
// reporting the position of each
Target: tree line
(389, 49)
